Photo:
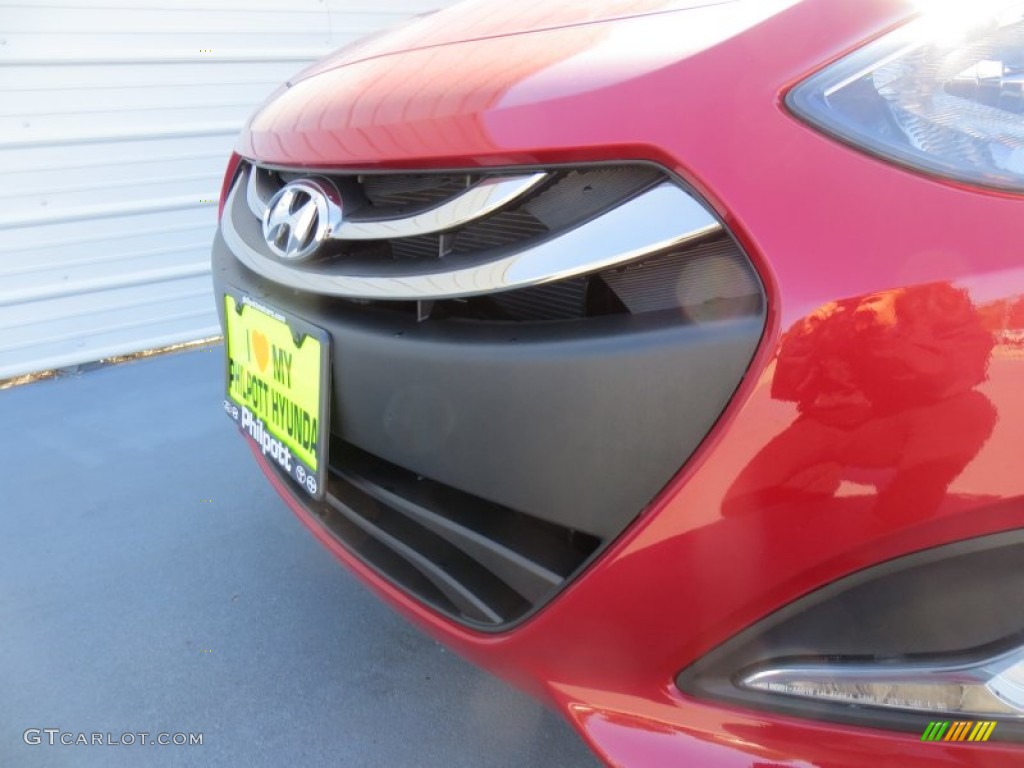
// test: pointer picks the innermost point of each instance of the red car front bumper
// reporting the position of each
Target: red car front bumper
(883, 286)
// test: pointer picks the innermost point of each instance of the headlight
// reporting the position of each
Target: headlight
(936, 635)
(990, 687)
(945, 95)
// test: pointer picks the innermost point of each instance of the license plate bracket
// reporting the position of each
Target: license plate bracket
(277, 387)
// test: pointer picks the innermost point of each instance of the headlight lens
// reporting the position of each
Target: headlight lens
(944, 94)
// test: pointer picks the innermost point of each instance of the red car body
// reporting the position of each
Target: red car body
(883, 285)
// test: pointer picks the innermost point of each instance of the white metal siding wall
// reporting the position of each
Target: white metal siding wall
(116, 120)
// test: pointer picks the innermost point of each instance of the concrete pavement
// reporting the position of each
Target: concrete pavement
(151, 581)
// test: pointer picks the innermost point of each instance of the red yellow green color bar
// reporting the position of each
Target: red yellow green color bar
(960, 730)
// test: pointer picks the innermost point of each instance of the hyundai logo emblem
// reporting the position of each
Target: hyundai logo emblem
(300, 217)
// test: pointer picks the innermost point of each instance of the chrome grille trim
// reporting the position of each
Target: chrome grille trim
(258, 191)
(664, 216)
(479, 200)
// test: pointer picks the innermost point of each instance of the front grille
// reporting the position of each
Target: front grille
(554, 263)
(558, 201)
(440, 237)
(476, 561)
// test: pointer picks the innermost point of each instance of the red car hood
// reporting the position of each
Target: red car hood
(458, 89)
(484, 19)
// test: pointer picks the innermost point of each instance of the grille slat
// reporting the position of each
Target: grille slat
(477, 561)
(528, 578)
(445, 566)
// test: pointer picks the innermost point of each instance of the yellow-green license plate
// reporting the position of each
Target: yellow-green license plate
(277, 385)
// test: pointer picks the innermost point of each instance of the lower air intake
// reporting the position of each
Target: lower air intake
(478, 562)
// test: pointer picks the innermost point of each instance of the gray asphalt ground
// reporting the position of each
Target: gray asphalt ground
(151, 581)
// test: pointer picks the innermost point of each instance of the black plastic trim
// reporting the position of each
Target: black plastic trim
(580, 423)
(484, 565)
(958, 602)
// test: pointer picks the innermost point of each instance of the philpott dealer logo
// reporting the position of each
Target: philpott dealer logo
(960, 730)
(59, 737)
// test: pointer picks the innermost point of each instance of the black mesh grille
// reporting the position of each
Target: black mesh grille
(503, 228)
(403, 191)
(562, 300)
(706, 281)
(423, 247)
(576, 196)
